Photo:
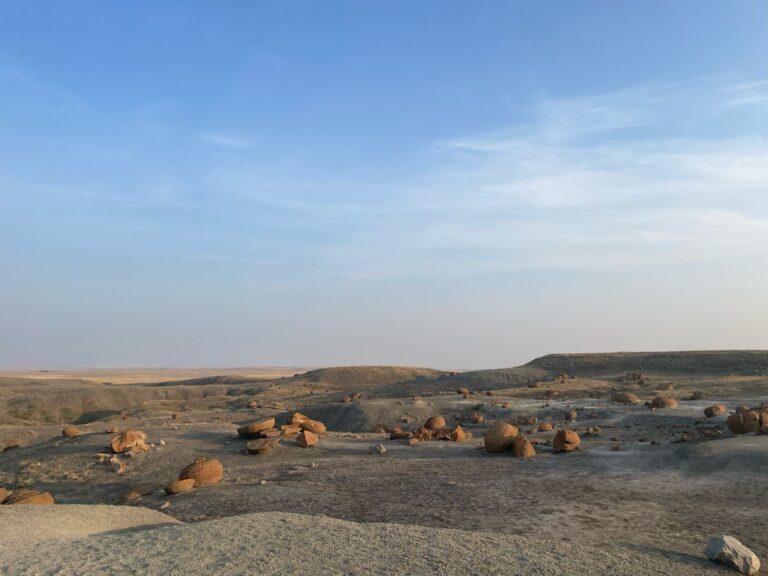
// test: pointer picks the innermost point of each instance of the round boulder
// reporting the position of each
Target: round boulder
(546, 427)
(565, 441)
(500, 437)
(715, 410)
(626, 398)
(434, 423)
(203, 471)
(664, 402)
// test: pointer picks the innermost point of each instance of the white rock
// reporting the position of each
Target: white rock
(732, 553)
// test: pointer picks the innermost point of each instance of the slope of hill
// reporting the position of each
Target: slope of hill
(736, 362)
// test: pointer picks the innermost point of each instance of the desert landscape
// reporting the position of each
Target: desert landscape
(620, 463)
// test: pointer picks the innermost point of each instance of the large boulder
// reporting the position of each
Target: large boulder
(730, 552)
(434, 423)
(523, 448)
(179, 486)
(565, 441)
(70, 432)
(500, 437)
(715, 410)
(626, 398)
(203, 471)
(546, 427)
(129, 441)
(664, 402)
(256, 429)
(29, 496)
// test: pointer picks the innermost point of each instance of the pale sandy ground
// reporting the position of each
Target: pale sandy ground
(142, 375)
(128, 541)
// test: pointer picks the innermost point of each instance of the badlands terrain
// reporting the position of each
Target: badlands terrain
(395, 477)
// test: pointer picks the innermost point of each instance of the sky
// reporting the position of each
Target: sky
(310, 183)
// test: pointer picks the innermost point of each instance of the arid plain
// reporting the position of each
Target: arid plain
(395, 477)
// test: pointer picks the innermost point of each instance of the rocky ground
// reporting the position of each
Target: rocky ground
(644, 483)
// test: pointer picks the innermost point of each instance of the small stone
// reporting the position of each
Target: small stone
(307, 439)
(379, 449)
(179, 486)
(565, 441)
(715, 410)
(70, 432)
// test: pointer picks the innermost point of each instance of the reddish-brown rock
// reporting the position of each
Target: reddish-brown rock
(307, 439)
(179, 486)
(500, 437)
(664, 402)
(256, 429)
(570, 415)
(477, 418)
(129, 441)
(262, 445)
(626, 398)
(546, 427)
(434, 422)
(457, 434)
(565, 441)
(70, 432)
(203, 471)
(290, 430)
(313, 426)
(4, 493)
(715, 410)
(28, 496)
(752, 420)
(523, 448)
(298, 418)
(463, 391)
(398, 434)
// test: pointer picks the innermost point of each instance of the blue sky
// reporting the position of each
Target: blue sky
(438, 183)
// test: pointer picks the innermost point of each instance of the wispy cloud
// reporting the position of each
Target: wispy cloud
(225, 140)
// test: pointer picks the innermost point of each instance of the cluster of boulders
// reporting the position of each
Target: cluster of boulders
(435, 428)
(505, 437)
(746, 420)
(264, 436)
(25, 496)
(130, 443)
(350, 397)
(202, 472)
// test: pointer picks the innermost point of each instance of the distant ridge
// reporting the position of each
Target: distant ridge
(737, 362)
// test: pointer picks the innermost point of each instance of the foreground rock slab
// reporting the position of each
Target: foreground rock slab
(728, 551)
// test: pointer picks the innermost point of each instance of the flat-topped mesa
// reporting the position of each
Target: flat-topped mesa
(737, 362)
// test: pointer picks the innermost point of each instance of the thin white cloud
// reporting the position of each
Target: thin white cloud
(225, 140)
